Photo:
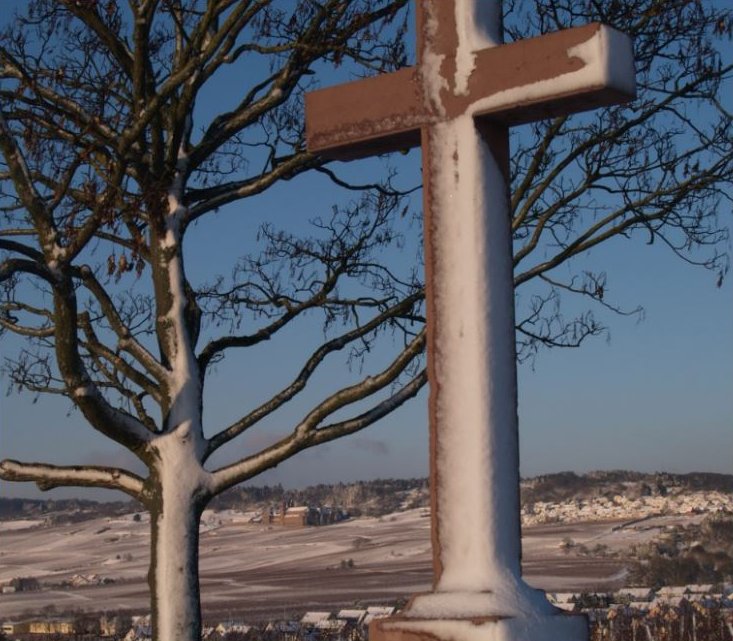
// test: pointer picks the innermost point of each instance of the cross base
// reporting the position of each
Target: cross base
(544, 627)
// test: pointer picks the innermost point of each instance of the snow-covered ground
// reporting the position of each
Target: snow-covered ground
(20, 524)
(257, 568)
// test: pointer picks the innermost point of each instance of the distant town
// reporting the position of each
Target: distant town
(645, 557)
(603, 508)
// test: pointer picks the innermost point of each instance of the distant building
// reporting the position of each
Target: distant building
(331, 626)
(354, 617)
(25, 584)
(51, 626)
(672, 592)
(297, 516)
(557, 598)
(114, 626)
(15, 627)
(232, 628)
(141, 630)
(284, 629)
(313, 618)
(635, 594)
(377, 612)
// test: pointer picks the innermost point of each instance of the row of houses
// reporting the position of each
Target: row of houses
(343, 625)
(702, 620)
(603, 508)
(104, 626)
(39, 626)
(645, 599)
(32, 584)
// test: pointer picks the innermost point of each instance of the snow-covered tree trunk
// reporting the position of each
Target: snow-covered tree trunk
(179, 487)
(178, 499)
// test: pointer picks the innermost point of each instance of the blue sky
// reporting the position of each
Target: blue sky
(657, 395)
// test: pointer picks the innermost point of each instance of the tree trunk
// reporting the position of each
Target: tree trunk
(175, 512)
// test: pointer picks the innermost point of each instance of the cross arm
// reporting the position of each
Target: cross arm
(366, 117)
(555, 74)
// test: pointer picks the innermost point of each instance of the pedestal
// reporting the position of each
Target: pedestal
(547, 627)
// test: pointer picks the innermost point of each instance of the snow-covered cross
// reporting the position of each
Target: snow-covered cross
(457, 103)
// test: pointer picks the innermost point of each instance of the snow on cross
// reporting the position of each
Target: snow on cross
(457, 103)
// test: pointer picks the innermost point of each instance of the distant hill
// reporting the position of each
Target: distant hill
(63, 510)
(382, 496)
(564, 486)
(368, 498)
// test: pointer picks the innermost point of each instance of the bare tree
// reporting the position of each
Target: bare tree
(102, 156)
(107, 162)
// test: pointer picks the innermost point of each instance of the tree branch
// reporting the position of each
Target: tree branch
(364, 388)
(126, 341)
(47, 477)
(209, 199)
(306, 435)
(299, 383)
(379, 411)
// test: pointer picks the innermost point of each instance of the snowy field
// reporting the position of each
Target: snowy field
(258, 571)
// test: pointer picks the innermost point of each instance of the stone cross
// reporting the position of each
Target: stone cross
(457, 103)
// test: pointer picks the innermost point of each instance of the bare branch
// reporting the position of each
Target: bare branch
(382, 189)
(379, 411)
(363, 389)
(210, 199)
(300, 381)
(47, 477)
(306, 433)
(126, 341)
(25, 188)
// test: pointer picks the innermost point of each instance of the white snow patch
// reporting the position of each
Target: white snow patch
(312, 618)
(184, 381)
(83, 390)
(611, 53)
(512, 597)
(537, 628)
(478, 24)
(433, 81)
(351, 614)
(21, 524)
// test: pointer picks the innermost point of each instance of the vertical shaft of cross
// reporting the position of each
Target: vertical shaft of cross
(474, 449)
(473, 420)
(471, 352)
